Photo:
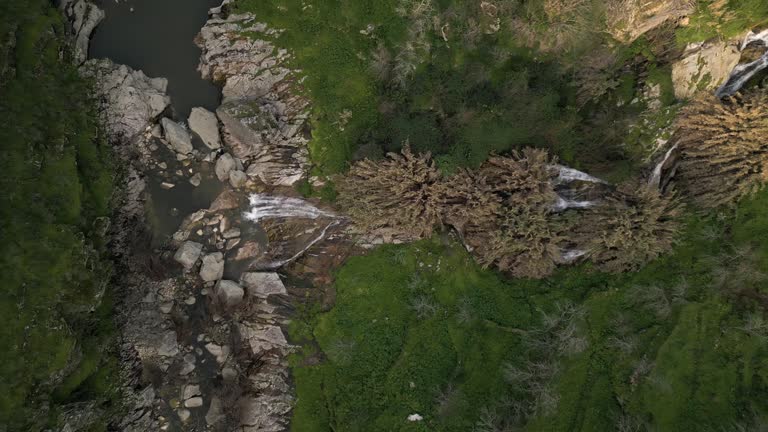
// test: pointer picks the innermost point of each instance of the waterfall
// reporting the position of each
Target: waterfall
(565, 204)
(655, 180)
(744, 72)
(567, 175)
(569, 256)
(271, 207)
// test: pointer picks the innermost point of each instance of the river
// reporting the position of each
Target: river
(157, 37)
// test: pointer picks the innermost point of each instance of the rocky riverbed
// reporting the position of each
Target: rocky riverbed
(203, 307)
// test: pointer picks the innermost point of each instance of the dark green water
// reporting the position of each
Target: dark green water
(157, 37)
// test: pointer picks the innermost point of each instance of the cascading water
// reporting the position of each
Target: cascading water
(744, 72)
(567, 175)
(272, 207)
(263, 207)
(655, 180)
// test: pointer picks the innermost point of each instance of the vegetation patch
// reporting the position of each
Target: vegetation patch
(56, 187)
(421, 329)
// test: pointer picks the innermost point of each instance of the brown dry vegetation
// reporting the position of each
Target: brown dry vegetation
(630, 229)
(503, 212)
(724, 148)
(399, 192)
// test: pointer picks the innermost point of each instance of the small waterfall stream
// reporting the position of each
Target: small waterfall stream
(744, 72)
(272, 207)
(263, 207)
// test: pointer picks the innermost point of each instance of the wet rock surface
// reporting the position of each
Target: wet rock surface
(130, 101)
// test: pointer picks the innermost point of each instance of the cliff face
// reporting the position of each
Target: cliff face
(627, 20)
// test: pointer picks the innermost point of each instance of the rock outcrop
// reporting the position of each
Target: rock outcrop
(264, 119)
(129, 100)
(177, 136)
(630, 19)
(82, 18)
(704, 67)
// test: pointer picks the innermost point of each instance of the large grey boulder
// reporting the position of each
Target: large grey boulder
(237, 179)
(704, 67)
(188, 254)
(129, 100)
(205, 124)
(82, 17)
(263, 337)
(230, 293)
(177, 136)
(224, 166)
(263, 284)
(213, 267)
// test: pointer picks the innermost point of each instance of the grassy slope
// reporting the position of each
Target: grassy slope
(671, 346)
(56, 183)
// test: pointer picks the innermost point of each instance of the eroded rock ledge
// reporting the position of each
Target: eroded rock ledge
(264, 121)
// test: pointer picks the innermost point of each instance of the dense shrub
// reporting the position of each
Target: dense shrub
(724, 148)
(398, 192)
(631, 229)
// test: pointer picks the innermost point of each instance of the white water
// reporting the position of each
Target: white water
(271, 207)
(567, 175)
(565, 204)
(572, 255)
(277, 264)
(655, 180)
(744, 72)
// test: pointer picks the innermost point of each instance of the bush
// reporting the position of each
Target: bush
(630, 230)
(723, 148)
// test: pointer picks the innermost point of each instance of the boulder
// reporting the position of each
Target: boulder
(263, 284)
(268, 133)
(177, 136)
(129, 101)
(168, 347)
(704, 67)
(237, 179)
(195, 402)
(263, 337)
(230, 293)
(215, 412)
(213, 267)
(224, 166)
(189, 391)
(188, 254)
(227, 200)
(249, 250)
(205, 124)
(81, 17)
(231, 233)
